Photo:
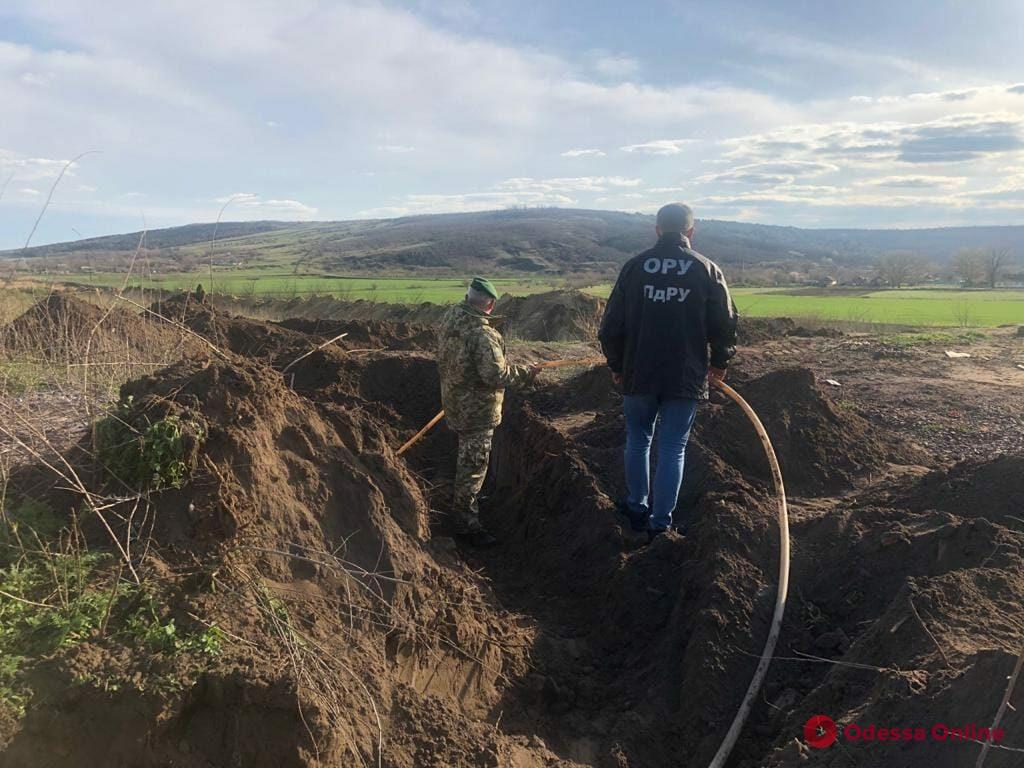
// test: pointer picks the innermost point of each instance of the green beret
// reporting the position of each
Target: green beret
(483, 285)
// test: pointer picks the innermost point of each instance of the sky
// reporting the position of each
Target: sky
(904, 113)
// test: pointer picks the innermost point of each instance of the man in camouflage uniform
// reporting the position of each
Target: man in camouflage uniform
(474, 374)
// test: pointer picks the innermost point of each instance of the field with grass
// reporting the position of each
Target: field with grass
(270, 283)
(930, 307)
(942, 307)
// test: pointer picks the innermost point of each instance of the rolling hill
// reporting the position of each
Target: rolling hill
(522, 241)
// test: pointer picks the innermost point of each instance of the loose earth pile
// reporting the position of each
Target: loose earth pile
(358, 633)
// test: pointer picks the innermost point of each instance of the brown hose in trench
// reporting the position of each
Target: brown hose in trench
(783, 586)
(780, 595)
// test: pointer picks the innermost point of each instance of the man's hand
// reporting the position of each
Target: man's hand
(616, 379)
(716, 374)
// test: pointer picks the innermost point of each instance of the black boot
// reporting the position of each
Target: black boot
(637, 523)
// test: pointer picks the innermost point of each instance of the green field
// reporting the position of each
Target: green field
(928, 307)
(264, 283)
(917, 306)
(943, 307)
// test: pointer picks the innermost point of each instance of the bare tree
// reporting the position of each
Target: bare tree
(899, 268)
(967, 264)
(993, 261)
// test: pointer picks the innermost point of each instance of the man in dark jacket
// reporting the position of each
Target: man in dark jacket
(668, 306)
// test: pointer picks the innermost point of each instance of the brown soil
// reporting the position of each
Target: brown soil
(822, 448)
(303, 536)
(551, 316)
(371, 334)
(62, 327)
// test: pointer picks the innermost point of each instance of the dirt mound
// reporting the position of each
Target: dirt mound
(64, 328)
(823, 332)
(591, 390)
(699, 606)
(232, 333)
(300, 532)
(917, 609)
(753, 330)
(552, 316)
(993, 489)
(359, 633)
(370, 334)
(822, 447)
(330, 308)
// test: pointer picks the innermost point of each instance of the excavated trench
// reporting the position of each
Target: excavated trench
(572, 644)
(643, 653)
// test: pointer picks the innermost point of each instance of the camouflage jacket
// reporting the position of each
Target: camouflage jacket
(474, 374)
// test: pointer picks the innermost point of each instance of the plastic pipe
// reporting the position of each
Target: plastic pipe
(780, 596)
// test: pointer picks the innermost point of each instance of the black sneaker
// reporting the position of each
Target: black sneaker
(637, 522)
(479, 538)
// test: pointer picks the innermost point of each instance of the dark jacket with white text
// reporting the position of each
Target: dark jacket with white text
(668, 306)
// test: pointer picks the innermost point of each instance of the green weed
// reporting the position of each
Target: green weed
(56, 594)
(50, 594)
(153, 455)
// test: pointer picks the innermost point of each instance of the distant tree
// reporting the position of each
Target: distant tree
(899, 268)
(993, 261)
(967, 264)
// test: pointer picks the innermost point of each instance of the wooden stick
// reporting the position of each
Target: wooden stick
(549, 364)
(1002, 707)
(412, 440)
(564, 363)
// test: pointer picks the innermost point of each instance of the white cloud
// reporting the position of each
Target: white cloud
(617, 66)
(249, 205)
(915, 182)
(461, 111)
(658, 147)
(465, 203)
(949, 139)
(575, 184)
(22, 168)
(769, 173)
(514, 192)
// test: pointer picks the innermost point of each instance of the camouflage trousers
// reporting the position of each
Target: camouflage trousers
(474, 455)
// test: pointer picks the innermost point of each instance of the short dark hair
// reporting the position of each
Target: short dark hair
(675, 217)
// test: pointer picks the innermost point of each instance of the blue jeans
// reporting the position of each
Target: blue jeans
(676, 417)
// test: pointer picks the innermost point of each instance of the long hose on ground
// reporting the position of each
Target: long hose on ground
(780, 596)
(783, 587)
